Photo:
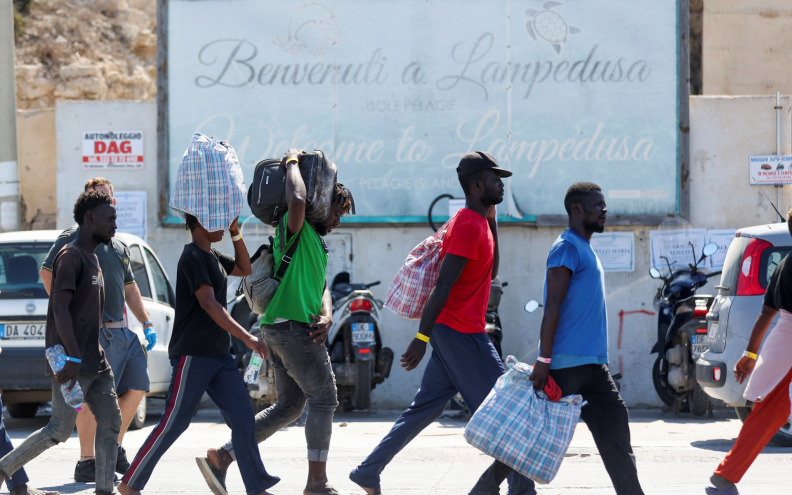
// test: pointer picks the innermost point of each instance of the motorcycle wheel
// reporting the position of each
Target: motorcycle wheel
(699, 401)
(664, 391)
(782, 438)
(361, 397)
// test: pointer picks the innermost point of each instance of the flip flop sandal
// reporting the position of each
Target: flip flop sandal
(711, 490)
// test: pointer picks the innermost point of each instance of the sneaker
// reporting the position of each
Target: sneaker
(122, 464)
(85, 471)
(215, 478)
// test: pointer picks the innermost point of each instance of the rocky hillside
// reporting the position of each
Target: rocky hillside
(85, 50)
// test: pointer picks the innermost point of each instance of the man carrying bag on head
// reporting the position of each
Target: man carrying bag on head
(295, 326)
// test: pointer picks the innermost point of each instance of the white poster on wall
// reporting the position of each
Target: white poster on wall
(676, 248)
(112, 149)
(770, 170)
(721, 237)
(131, 212)
(616, 250)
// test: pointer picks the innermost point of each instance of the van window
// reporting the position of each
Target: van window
(771, 257)
(161, 285)
(19, 270)
(139, 271)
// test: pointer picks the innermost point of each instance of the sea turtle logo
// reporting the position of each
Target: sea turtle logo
(312, 28)
(548, 25)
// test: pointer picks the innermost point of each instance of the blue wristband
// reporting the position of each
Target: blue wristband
(73, 360)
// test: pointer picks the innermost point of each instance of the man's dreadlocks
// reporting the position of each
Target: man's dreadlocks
(343, 197)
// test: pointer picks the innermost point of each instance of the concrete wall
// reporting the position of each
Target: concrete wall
(38, 164)
(746, 47)
(725, 131)
(71, 120)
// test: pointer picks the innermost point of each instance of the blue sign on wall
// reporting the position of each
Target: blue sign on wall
(396, 92)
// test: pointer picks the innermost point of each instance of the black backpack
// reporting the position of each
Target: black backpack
(267, 193)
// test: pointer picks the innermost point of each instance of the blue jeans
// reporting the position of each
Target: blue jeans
(99, 392)
(218, 377)
(19, 478)
(303, 373)
(460, 362)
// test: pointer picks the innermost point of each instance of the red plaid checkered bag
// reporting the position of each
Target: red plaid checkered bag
(416, 278)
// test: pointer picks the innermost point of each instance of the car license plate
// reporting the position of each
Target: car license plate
(362, 332)
(21, 331)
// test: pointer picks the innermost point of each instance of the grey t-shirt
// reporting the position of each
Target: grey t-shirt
(114, 260)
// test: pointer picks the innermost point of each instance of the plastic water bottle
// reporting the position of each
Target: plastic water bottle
(253, 368)
(56, 356)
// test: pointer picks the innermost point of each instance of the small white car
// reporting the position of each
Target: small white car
(23, 314)
(750, 260)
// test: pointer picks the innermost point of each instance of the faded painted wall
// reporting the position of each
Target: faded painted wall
(746, 47)
(725, 131)
(37, 162)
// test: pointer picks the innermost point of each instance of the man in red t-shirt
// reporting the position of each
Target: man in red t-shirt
(463, 359)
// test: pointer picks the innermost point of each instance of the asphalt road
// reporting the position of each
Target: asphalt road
(675, 456)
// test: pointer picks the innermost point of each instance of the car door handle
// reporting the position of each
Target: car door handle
(167, 317)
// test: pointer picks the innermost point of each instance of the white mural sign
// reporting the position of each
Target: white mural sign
(396, 92)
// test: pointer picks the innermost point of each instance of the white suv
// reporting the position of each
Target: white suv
(23, 313)
(751, 259)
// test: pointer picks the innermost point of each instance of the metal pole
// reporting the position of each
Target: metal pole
(9, 173)
(683, 92)
(778, 142)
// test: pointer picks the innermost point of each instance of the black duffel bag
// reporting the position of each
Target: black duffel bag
(267, 193)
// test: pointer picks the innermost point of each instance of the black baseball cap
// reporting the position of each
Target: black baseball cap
(480, 160)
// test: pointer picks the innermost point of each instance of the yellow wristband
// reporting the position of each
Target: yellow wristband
(237, 237)
(292, 159)
(421, 337)
(749, 354)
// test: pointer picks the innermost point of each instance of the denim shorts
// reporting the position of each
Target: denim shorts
(127, 358)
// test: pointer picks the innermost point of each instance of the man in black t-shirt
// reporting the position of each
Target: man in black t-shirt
(74, 315)
(199, 354)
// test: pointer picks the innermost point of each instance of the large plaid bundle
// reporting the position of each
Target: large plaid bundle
(209, 184)
(521, 428)
(412, 284)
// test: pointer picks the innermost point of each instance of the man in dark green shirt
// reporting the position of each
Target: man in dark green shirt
(295, 327)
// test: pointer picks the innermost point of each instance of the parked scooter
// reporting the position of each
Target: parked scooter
(359, 360)
(354, 343)
(492, 318)
(681, 335)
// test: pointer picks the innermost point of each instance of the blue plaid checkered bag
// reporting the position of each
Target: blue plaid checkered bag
(209, 184)
(521, 428)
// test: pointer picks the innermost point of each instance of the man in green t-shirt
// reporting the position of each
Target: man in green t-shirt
(295, 327)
